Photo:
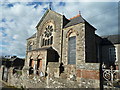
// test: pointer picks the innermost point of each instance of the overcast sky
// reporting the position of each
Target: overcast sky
(18, 20)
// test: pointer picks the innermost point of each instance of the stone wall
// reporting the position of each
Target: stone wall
(79, 31)
(35, 55)
(25, 80)
(88, 75)
(53, 69)
(32, 42)
(83, 76)
(117, 46)
(1, 71)
(57, 20)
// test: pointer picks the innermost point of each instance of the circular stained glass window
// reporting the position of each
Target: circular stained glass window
(48, 31)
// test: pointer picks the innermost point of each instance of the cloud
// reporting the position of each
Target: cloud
(103, 16)
(11, 1)
(19, 20)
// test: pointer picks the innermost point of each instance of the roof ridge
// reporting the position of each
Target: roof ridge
(56, 12)
(109, 35)
(47, 11)
(75, 17)
(33, 35)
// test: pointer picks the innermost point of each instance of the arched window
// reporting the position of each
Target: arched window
(30, 63)
(48, 41)
(71, 46)
(47, 35)
(43, 42)
(30, 45)
(72, 50)
(51, 40)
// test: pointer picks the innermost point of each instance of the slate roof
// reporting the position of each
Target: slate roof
(111, 39)
(33, 36)
(75, 20)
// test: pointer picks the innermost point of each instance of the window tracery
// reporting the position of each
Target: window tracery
(47, 35)
(29, 45)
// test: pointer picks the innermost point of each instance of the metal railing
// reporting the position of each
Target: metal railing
(110, 75)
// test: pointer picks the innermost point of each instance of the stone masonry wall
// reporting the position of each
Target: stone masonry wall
(79, 31)
(87, 76)
(57, 20)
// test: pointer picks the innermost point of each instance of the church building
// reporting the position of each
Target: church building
(67, 43)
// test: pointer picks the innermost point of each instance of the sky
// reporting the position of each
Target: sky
(19, 19)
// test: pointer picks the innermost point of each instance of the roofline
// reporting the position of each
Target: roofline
(107, 37)
(73, 25)
(110, 35)
(75, 17)
(33, 36)
(30, 38)
(42, 18)
(90, 25)
(45, 15)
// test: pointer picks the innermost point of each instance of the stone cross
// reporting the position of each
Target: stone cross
(50, 5)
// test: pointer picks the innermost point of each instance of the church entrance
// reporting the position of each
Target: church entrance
(39, 66)
(31, 63)
(72, 50)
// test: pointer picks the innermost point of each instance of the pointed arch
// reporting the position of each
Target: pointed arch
(73, 32)
(72, 36)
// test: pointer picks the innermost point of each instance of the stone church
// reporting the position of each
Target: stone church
(67, 44)
(65, 53)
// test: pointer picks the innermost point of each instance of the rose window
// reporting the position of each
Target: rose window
(48, 31)
(47, 36)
